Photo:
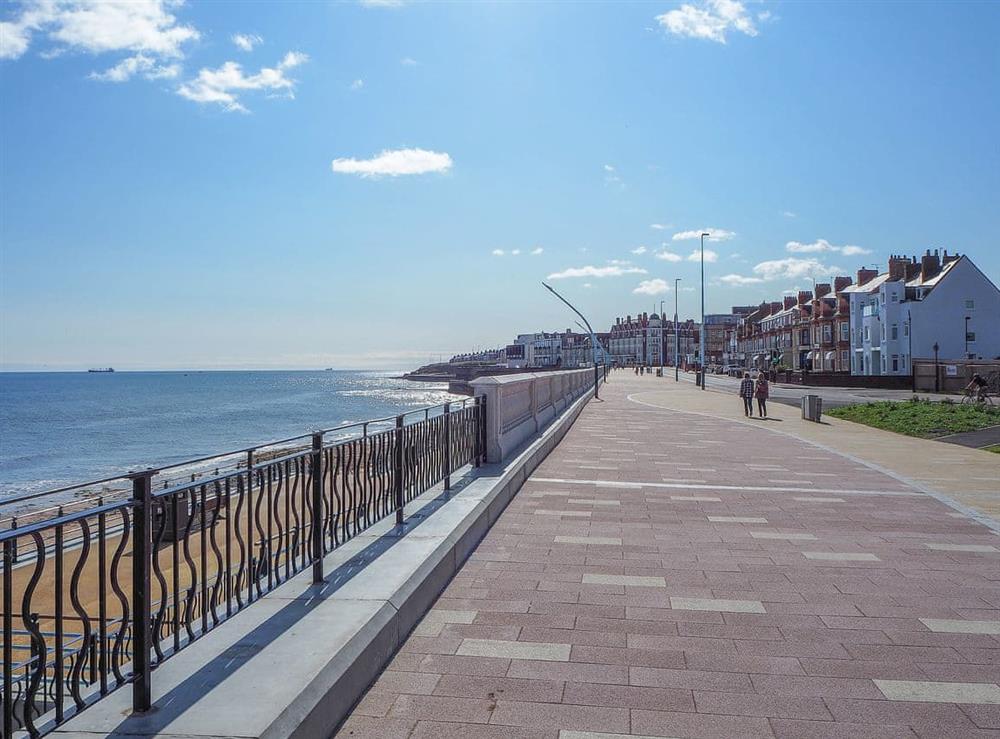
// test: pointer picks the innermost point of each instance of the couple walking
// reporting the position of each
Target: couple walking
(749, 390)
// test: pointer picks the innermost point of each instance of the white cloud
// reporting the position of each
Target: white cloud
(822, 246)
(246, 41)
(587, 285)
(658, 226)
(138, 64)
(668, 256)
(536, 251)
(709, 19)
(652, 287)
(739, 280)
(611, 176)
(408, 61)
(714, 234)
(223, 85)
(792, 268)
(611, 270)
(135, 26)
(393, 163)
(357, 84)
(515, 252)
(710, 256)
(789, 214)
(497, 252)
(639, 250)
(382, 3)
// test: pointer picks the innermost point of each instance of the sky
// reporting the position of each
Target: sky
(380, 184)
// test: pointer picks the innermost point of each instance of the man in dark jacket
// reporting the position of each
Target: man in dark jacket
(746, 392)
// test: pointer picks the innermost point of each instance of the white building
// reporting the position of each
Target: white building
(543, 349)
(942, 300)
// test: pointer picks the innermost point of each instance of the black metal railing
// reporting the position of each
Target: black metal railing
(98, 592)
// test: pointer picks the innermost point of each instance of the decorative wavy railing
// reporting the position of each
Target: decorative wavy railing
(99, 592)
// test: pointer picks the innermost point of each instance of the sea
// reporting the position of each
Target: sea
(63, 428)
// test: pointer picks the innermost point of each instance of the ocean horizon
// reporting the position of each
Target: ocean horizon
(65, 427)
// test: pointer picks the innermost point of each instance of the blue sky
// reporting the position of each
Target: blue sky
(326, 184)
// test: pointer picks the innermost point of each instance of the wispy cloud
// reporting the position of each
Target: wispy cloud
(639, 250)
(408, 61)
(789, 214)
(515, 252)
(394, 163)
(823, 246)
(710, 256)
(225, 84)
(712, 20)
(497, 252)
(536, 251)
(246, 41)
(139, 27)
(357, 84)
(652, 287)
(140, 64)
(714, 234)
(793, 268)
(668, 256)
(610, 270)
(611, 176)
(660, 226)
(739, 280)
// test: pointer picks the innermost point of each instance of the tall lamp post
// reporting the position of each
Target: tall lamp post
(937, 373)
(662, 343)
(677, 336)
(967, 319)
(589, 329)
(701, 333)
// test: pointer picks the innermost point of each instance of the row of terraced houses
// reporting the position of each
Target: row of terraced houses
(934, 305)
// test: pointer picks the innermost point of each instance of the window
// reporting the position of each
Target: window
(906, 329)
(867, 335)
(970, 304)
(970, 336)
(827, 334)
(845, 331)
(845, 359)
(895, 332)
(895, 363)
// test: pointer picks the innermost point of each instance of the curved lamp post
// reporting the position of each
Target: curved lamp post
(589, 329)
(701, 334)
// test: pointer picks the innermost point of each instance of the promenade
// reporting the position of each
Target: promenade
(675, 570)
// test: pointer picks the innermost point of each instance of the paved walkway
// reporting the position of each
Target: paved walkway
(666, 574)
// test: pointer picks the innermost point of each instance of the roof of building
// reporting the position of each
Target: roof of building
(919, 280)
(869, 287)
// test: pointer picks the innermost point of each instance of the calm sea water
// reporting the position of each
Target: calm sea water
(61, 428)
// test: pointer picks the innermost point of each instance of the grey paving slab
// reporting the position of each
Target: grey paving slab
(717, 604)
(547, 652)
(961, 626)
(962, 547)
(939, 692)
(635, 580)
(842, 556)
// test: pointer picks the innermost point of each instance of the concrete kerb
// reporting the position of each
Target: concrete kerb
(271, 675)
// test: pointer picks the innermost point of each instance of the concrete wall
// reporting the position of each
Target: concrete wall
(519, 406)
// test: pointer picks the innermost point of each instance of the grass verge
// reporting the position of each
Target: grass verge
(921, 418)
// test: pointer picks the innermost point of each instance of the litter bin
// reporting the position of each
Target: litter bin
(659, 372)
(812, 408)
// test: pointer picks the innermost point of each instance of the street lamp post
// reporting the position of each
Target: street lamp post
(589, 329)
(967, 319)
(701, 333)
(937, 373)
(663, 325)
(677, 336)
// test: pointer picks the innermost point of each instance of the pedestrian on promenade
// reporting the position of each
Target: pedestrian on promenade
(761, 392)
(746, 392)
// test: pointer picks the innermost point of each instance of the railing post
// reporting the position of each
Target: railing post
(317, 506)
(9, 546)
(142, 552)
(481, 429)
(398, 477)
(447, 446)
(13, 525)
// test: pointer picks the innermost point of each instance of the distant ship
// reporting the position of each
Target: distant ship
(102, 369)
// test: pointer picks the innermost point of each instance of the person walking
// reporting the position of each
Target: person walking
(761, 392)
(746, 392)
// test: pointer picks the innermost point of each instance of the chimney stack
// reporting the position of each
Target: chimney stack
(775, 308)
(911, 270)
(897, 267)
(789, 301)
(930, 265)
(866, 275)
(947, 258)
(822, 288)
(839, 283)
(805, 296)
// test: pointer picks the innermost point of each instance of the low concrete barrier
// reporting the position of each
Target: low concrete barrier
(296, 662)
(519, 406)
